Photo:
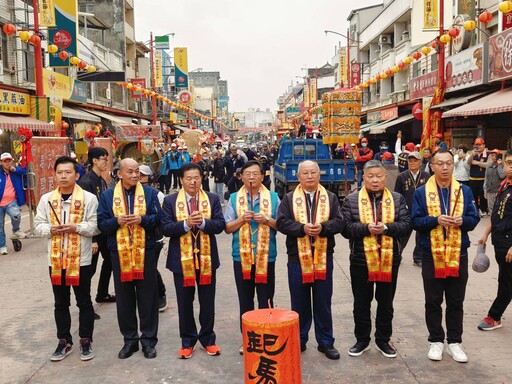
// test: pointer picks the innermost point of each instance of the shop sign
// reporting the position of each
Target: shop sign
(14, 102)
(56, 84)
(500, 56)
(134, 132)
(389, 113)
(355, 73)
(506, 21)
(463, 39)
(373, 117)
(423, 85)
(467, 68)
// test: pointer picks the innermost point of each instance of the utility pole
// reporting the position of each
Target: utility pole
(152, 71)
(38, 54)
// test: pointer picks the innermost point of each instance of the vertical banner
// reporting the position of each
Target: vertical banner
(46, 13)
(65, 34)
(341, 111)
(343, 73)
(430, 14)
(158, 68)
(313, 91)
(181, 67)
(355, 74)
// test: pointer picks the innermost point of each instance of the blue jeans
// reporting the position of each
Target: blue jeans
(14, 211)
(219, 191)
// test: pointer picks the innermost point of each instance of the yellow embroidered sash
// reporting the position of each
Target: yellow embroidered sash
(445, 242)
(60, 257)
(246, 244)
(379, 257)
(314, 267)
(131, 240)
(190, 249)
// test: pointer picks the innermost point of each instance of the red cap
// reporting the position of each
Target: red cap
(410, 147)
(440, 136)
(387, 156)
(364, 140)
(479, 141)
(496, 151)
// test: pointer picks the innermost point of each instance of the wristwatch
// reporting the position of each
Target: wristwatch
(385, 230)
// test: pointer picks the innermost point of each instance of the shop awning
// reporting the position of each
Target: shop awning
(366, 127)
(11, 123)
(497, 102)
(113, 118)
(78, 114)
(458, 100)
(381, 128)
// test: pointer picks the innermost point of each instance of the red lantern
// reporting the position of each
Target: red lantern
(434, 44)
(438, 114)
(35, 40)
(389, 72)
(82, 64)
(63, 55)
(9, 29)
(377, 77)
(485, 17)
(417, 111)
(416, 55)
(65, 124)
(454, 32)
(100, 126)
(401, 65)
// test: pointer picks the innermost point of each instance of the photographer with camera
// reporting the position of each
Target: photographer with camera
(461, 171)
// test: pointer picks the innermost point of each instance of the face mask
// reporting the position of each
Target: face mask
(383, 149)
(364, 144)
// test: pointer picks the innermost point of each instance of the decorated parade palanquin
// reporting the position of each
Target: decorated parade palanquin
(341, 110)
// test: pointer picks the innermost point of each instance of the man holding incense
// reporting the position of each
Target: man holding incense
(443, 212)
(66, 216)
(251, 218)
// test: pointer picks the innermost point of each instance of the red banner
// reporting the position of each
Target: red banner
(355, 74)
(500, 56)
(424, 85)
(137, 82)
(134, 132)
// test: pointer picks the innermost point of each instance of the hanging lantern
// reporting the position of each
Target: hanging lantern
(389, 72)
(437, 114)
(394, 69)
(469, 25)
(357, 88)
(383, 75)
(147, 92)
(373, 80)
(129, 86)
(64, 125)
(505, 7)
(426, 50)
(454, 32)
(445, 38)
(377, 77)
(63, 55)
(74, 60)
(401, 65)
(91, 68)
(159, 97)
(433, 44)
(485, 17)
(82, 64)
(138, 88)
(416, 55)
(25, 36)
(153, 93)
(9, 29)
(35, 40)
(408, 60)
(417, 111)
(52, 48)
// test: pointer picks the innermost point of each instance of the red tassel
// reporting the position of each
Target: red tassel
(126, 276)
(320, 275)
(205, 280)
(308, 278)
(189, 281)
(138, 275)
(56, 280)
(386, 277)
(72, 280)
(452, 272)
(440, 273)
(261, 279)
(246, 275)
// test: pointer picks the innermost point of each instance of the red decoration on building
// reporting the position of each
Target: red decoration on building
(417, 111)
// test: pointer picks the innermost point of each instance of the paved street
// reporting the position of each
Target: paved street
(27, 336)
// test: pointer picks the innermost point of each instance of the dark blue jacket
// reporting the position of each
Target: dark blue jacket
(174, 229)
(423, 223)
(107, 222)
(17, 183)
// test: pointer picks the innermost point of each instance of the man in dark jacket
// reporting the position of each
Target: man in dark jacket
(310, 216)
(192, 218)
(406, 184)
(219, 173)
(375, 221)
(443, 212)
(128, 215)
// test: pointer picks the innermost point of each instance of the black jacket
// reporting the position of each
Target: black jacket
(287, 224)
(95, 184)
(219, 171)
(355, 231)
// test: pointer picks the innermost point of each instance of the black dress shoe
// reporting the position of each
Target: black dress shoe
(128, 350)
(96, 316)
(359, 348)
(386, 349)
(106, 299)
(303, 347)
(149, 352)
(417, 263)
(330, 352)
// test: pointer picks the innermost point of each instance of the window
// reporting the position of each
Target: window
(298, 150)
(28, 63)
(4, 61)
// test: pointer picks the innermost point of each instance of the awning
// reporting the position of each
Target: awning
(78, 114)
(381, 128)
(366, 127)
(11, 123)
(458, 100)
(497, 102)
(113, 118)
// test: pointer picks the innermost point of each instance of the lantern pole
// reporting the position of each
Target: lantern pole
(151, 59)
(38, 54)
(441, 61)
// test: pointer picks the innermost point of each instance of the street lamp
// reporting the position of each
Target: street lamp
(349, 40)
(151, 63)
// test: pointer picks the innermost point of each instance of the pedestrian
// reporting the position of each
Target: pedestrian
(267, 171)
(128, 215)
(494, 174)
(219, 173)
(174, 167)
(461, 170)
(406, 184)
(500, 228)
(185, 156)
(251, 217)
(192, 218)
(206, 169)
(94, 183)
(439, 143)
(310, 217)
(388, 159)
(425, 163)
(443, 212)
(233, 163)
(12, 197)
(164, 178)
(383, 148)
(375, 221)
(477, 159)
(81, 170)
(251, 155)
(362, 156)
(403, 156)
(66, 216)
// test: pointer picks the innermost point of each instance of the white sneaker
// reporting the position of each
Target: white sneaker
(456, 351)
(3, 250)
(435, 352)
(18, 235)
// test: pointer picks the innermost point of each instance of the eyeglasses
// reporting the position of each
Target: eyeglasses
(443, 163)
(103, 158)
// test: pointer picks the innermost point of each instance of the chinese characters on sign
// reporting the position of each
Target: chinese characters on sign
(500, 56)
(14, 102)
(467, 68)
(424, 85)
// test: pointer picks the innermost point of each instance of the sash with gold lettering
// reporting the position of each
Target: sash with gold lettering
(190, 252)
(131, 240)
(314, 267)
(379, 257)
(445, 243)
(246, 232)
(60, 257)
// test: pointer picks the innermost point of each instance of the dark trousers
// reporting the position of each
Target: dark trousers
(141, 295)
(416, 254)
(185, 299)
(504, 295)
(106, 267)
(363, 292)
(164, 182)
(454, 290)
(174, 175)
(246, 288)
(477, 187)
(62, 296)
(159, 281)
(321, 293)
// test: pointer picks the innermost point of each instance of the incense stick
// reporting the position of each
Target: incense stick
(54, 213)
(456, 200)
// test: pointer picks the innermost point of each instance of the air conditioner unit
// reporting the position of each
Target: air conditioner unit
(384, 39)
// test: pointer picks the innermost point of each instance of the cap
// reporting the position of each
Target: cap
(245, 146)
(263, 157)
(352, 145)
(173, 144)
(479, 141)
(409, 146)
(180, 147)
(72, 155)
(440, 136)
(364, 140)
(6, 156)
(481, 261)
(185, 147)
(414, 154)
(145, 170)
(496, 151)
(387, 156)
(215, 152)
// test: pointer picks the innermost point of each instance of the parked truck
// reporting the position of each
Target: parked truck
(336, 175)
